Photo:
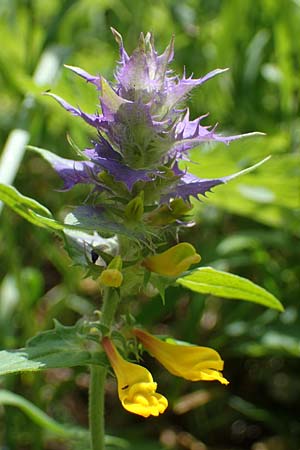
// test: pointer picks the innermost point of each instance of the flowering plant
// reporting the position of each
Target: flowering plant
(125, 233)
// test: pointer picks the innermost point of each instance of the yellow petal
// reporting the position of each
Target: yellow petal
(173, 261)
(136, 388)
(187, 361)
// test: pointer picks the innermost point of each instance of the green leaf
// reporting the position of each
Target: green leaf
(28, 208)
(61, 347)
(207, 280)
(15, 199)
(90, 218)
(83, 218)
(12, 361)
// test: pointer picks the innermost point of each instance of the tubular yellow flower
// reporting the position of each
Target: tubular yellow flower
(136, 388)
(173, 261)
(187, 361)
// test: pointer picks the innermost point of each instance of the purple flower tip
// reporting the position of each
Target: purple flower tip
(141, 126)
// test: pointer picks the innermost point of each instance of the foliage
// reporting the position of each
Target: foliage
(249, 227)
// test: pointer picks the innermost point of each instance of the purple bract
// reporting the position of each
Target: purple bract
(142, 126)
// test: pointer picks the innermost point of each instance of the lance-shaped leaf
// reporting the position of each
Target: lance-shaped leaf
(28, 208)
(207, 280)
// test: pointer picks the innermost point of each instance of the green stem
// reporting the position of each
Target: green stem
(111, 299)
(96, 407)
(98, 377)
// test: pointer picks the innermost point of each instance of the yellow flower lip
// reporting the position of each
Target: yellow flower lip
(173, 261)
(136, 388)
(187, 361)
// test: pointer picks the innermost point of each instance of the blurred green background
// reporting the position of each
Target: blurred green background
(250, 227)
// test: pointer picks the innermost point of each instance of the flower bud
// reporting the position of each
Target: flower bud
(173, 261)
(111, 278)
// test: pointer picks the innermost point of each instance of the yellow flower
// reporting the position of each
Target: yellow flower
(173, 261)
(187, 361)
(136, 388)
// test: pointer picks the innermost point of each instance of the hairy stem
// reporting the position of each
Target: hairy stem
(98, 377)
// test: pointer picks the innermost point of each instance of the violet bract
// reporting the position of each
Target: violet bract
(143, 130)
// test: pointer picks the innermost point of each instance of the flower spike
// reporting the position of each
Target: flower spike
(187, 361)
(143, 122)
(136, 388)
